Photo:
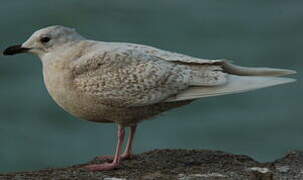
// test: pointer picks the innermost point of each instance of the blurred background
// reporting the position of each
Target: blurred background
(265, 124)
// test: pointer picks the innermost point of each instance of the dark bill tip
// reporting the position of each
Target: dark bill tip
(14, 50)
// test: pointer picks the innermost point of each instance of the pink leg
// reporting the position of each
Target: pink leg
(116, 161)
(128, 151)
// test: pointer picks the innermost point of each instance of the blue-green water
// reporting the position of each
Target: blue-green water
(265, 124)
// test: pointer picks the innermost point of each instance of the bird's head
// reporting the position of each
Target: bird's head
(45, 40)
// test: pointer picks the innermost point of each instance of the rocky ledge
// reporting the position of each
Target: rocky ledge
(180, 165)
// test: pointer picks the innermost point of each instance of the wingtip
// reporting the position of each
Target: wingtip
(285, 72)
(290, 80)
(292, 72)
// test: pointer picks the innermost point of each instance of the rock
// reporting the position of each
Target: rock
(200, 176)
(260, 170)
(152, 176)
(113, 178)
(182, 165)
(258, 173)
(282, 169)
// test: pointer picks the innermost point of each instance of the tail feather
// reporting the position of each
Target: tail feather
(236, 84)
(255, 71)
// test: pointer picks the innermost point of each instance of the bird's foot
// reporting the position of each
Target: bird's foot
(102, 167)
(126, 156)
(110, 158)
(105, 158)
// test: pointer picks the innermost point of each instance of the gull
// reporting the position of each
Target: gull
(126, 83)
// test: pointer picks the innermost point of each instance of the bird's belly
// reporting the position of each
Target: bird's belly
(81, 107)
(60, 86)
(89, 108)
(86, 107)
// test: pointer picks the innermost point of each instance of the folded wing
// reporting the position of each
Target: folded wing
(137, 75)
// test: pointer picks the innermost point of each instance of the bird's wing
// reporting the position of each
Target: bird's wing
(172, 56)
(130, 75)
(218, 77)
(236, 84)
(127, 76)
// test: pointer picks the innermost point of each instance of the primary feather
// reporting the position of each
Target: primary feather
(236, 84)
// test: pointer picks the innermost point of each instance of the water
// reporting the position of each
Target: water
(265, 124)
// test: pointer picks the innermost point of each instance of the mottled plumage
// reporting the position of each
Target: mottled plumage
(126, 83)
(131, 75)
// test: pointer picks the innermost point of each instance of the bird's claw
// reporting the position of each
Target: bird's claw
(110, 158)
(102, 167)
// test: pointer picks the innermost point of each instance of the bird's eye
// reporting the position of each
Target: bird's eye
(45, 39)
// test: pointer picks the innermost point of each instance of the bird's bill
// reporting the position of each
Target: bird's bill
(16, 49)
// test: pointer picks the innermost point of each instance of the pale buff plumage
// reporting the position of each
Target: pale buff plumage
(126, 83)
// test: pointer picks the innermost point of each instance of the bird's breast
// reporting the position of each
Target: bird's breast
(58, 80)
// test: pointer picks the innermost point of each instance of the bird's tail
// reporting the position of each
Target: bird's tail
(235, 84)
(255, 71)
(239, 79)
